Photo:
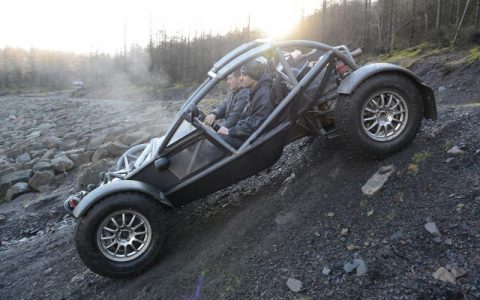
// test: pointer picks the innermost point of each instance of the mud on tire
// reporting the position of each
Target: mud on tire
(381, 116)
(122, 235)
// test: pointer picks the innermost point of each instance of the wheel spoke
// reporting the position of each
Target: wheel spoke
(399, 112)
(378, 129)
(114, 222)
(376, 104)
(371, 110)
(110, 229)
(370, 118)
(373, 125)
(390, 99)
(139, 233)
(107, 237)
(123, 219)
(138, 225)
(382, 100)
(131, 221)
(113, 243)
(116, 250)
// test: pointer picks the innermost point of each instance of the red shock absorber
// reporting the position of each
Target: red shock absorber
(342, 69)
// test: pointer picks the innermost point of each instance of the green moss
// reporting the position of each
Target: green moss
(474, 55)
(408, 57)
(421, 156)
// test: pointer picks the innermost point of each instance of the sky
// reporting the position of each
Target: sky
(85, 26)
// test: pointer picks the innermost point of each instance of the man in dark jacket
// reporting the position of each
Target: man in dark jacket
(259, 105)
(231, 108)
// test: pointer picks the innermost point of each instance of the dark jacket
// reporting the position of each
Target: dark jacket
(231, 108)
(256, 111)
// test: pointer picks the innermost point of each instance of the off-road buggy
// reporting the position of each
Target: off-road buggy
(376, 109)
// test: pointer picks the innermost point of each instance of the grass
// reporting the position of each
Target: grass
(408, 57)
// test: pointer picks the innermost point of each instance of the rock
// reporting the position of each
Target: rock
(444, 275)
(42, 166)
(48, 155)
(349, 267)
(344, 231)
(358, 264)
(448, 241)
(378, 179)
(23, 158)
(41, 178)
(53, 142)
(48, 271)
(361, 266)
(9, 179)
(62, 163)
(42, 201)
(455, 150)
(294, 285)
(129, 138)
(16, 190)
(326, 271)
(449, 159)
(89, 173)
(116, 149)
(478, 151)
(2, 219)
(442, 88)
(7, 170)
(433, 229)
(289, 178)
(101, 153)
(330, 214)
(95, 142)
(81, 158)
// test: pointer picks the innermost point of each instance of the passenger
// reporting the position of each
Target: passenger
(232, 106)
(259, 105)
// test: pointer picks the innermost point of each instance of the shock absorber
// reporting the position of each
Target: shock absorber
(342, 69)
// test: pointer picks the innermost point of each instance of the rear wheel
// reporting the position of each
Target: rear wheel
(381, 116)
(121, 236)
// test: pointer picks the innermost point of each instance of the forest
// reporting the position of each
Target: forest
(375, 26)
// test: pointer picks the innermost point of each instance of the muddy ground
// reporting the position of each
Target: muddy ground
(304, 218)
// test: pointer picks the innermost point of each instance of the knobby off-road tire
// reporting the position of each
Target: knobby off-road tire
(122, 235)
(381, 116)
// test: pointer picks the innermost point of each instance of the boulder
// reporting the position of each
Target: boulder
(42, 166)
(81, 158)
(16, 190)
(99, 154)
(62, 163)
(95, 142)
(48, 155)
(53, 141)
(9, 179)
(41, 178)
(115, 149)
(23, 158)
(89, 173)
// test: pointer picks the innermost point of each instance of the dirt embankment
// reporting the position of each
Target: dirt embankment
(304, 221)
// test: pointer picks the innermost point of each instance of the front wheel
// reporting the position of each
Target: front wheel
(121, 236)
(381, 116)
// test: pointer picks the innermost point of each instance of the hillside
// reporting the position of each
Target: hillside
(305, 219)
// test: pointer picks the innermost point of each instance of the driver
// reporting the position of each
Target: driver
(259, 105)
(231, 108)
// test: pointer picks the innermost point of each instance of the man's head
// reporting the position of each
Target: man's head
(251, 73)
(233, 80)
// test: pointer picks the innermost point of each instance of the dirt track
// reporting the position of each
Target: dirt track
(246, 241)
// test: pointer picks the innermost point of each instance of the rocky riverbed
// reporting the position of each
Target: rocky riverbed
(321, 223)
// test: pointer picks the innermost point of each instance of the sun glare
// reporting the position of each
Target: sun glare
(277, 19)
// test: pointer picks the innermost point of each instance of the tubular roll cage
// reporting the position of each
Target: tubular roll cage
(234, 60)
